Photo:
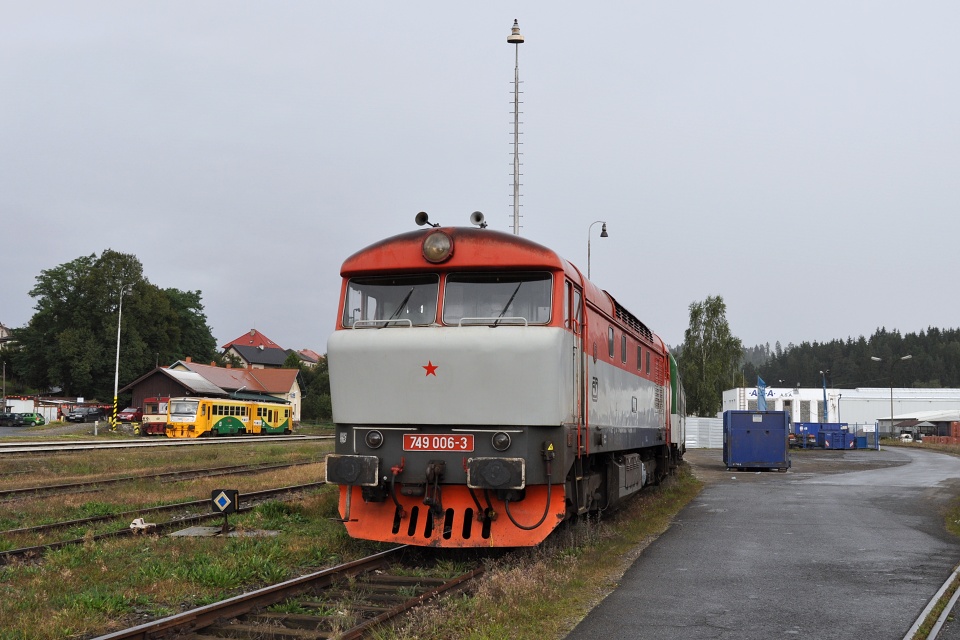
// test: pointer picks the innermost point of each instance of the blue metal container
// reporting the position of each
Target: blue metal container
(834, 435)
(756, 440)
(808, 434)
(830, 439)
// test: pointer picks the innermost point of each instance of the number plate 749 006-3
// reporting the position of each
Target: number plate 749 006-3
(437, 442)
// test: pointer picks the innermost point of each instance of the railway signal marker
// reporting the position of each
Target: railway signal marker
(225, 501)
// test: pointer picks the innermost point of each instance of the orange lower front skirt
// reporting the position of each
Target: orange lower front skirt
(457, 525)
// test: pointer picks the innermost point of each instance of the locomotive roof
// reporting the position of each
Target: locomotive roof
(472, 247)
(476, 248)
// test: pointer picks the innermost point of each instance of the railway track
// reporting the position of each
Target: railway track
(95, 485)
(248, 501)
(9, 447)
(345, 601)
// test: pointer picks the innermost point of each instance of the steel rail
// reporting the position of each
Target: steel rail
(7, 447)
(456, 583)
(937, 597)
(160, 527)
(176, 506)
(56, 489)
(238, 605)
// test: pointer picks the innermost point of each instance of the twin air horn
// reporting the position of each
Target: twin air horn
(476, 218)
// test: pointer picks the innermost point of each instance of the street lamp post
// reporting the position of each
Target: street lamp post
(603, 234)
(824, 374)
(893, 361)
(116, 374)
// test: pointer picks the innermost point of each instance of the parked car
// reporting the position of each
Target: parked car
(85, 414)
(32, 419)
(7, 419)
(906, 437)
(130, 414)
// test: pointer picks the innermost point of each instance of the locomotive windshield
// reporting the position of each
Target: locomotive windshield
(184, 408)
(497, 298)
(391, 301)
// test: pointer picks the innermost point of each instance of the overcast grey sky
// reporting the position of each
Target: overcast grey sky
(801, 160)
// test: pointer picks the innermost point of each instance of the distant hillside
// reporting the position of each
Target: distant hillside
(935, 361)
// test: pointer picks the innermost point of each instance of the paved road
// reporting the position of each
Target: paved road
(801, 554)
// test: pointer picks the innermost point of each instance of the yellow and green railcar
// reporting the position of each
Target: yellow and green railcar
(273, 418)
(196, 417)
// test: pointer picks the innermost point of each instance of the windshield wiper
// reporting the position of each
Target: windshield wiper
(509, 302)
(403, 304)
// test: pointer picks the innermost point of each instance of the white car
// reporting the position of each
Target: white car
(906, 437)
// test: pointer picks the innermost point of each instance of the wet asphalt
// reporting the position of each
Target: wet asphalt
(803, 554)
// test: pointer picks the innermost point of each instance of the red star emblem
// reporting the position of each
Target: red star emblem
(431, 369)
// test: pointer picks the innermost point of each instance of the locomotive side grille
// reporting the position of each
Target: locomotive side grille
(631, 321)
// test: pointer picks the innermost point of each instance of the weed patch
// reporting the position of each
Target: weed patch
(522, 593)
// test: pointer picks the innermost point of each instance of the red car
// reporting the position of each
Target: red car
(130, 414)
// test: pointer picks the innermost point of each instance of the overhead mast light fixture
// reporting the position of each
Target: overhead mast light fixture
(516, 39)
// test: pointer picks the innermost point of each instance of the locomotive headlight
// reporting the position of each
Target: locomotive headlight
(373, 439)
(501, 441)
(437, 247)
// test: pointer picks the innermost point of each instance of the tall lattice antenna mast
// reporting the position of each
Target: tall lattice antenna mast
(516, 39)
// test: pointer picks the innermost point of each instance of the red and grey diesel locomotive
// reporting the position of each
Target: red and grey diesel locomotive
(483, 391)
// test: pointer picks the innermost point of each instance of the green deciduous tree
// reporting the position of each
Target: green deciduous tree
(70, 342)
(315, 389)
(709, 356)
(293, 361)
(196, 339)
(316, 400)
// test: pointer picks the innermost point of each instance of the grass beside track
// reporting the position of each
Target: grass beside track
(543, 592)
(92, 588)
(537, 594)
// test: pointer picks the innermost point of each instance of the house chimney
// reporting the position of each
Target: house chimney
(229, 366)
(188, 359)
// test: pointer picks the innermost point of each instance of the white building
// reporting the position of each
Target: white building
(862, 407)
